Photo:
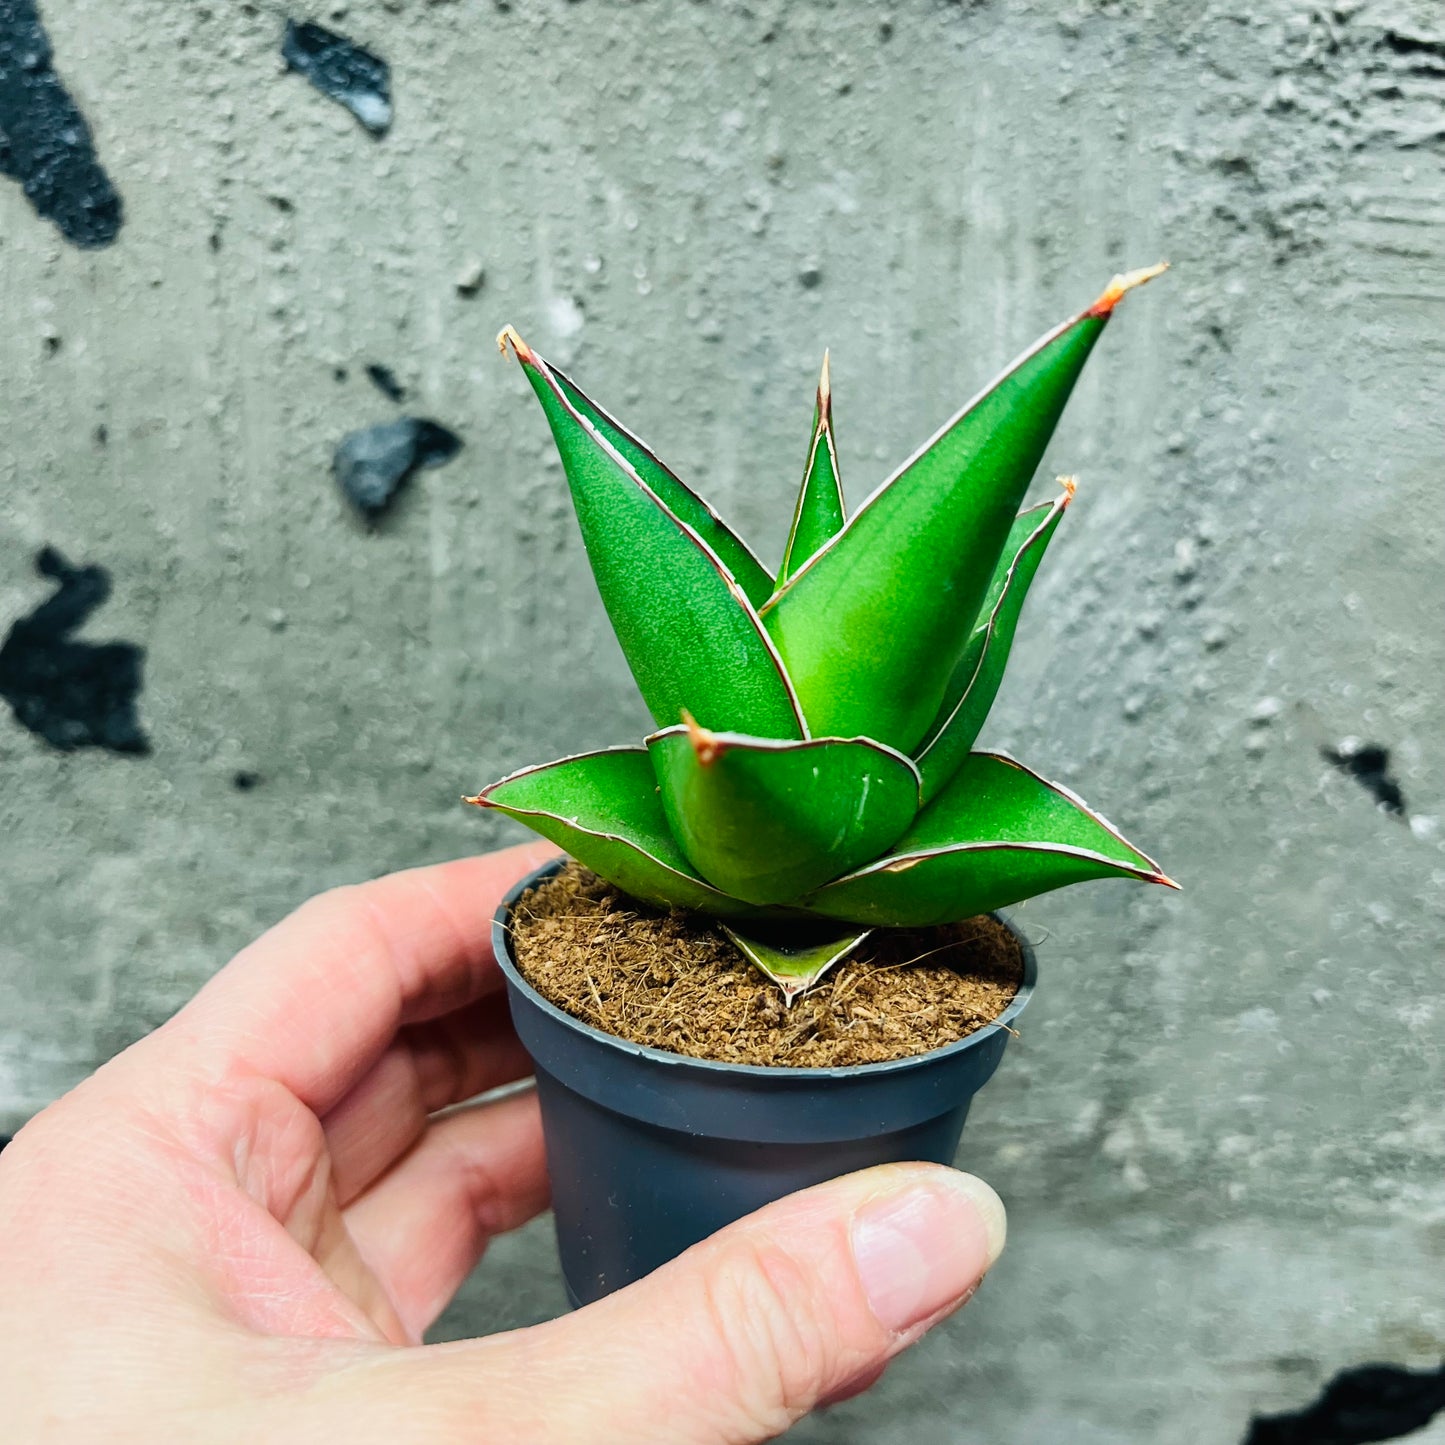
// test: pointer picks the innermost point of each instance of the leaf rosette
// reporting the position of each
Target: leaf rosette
(814, 775)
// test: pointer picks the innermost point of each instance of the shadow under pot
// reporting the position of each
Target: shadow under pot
(650, 1152)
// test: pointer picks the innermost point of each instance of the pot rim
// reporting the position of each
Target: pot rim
(501, 947)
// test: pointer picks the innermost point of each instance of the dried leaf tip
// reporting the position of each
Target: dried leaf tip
(476, 799)
(1070, 486)
(1167, 881)
(1120, 287)
(707, 746)
(508, 336)
(825, 390)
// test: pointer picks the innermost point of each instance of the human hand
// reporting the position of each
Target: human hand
(239, 1228)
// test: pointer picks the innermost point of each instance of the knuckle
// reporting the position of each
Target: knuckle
(453, 1070)
(773, 1333)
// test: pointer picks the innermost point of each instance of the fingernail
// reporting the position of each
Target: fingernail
(927, 1246)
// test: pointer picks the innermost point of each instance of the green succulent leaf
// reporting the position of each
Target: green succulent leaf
(872, 625)
(766, 820)
(691, 637)
(793, 965)
(604, 810)
(976, 678)
(674, 494)
(819, 513)
(997, 834)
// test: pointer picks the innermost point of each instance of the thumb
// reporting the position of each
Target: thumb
(803, 1302)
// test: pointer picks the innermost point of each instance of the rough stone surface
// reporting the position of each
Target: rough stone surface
(371, 464)
(1220, 1136)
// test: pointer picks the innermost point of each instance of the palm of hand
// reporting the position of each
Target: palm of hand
(276, 1200)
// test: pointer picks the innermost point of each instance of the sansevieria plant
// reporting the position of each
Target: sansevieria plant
(813, 776)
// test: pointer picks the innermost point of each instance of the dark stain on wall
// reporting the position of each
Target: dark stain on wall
(371, 464)
(1427, 47)
(45, 143)
(1359, 1407)
(245, 780)
(383, 378)
(72, 694)
(344, 71)
(1369, 765)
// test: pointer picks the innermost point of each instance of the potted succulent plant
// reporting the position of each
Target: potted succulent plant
(812, 788)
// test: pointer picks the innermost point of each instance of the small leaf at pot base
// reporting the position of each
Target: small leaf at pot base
(871, 627)
(767, 820)
(675, 495)
(603, 808)
(687, 629)
(976, 678)
(795, 966)
(818, 514)
(997, 834)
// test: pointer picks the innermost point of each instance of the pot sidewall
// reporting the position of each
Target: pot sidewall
(650, 1152)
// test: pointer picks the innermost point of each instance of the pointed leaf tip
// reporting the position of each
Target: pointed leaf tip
(795, 968)
(819, 513)
(604, 810)
(706, 746)
(681, 615)
(1070, 486)
(976, 678)
(869, 658)
(508, 336)
(1120, 287)
(997, 834)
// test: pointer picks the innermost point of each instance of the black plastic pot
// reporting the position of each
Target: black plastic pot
(649, 1152)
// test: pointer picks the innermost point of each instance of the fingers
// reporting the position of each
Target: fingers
(422, 1227)
(428, 1067)
(314, 1002)
(797, 1304)
(793, 1305)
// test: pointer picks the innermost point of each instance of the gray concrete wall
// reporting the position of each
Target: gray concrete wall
(1221, 1135)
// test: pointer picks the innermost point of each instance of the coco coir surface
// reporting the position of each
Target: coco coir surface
(675, 981)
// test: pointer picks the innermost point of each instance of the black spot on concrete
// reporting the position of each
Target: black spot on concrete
(45, 143)
(383, 378)
(244, 780)
(1369, 765)
(102, 435)
(340, 373)
(1359, 1407)
(214, 241)
(342, 70)
(810, 277)
(1404, 44)
(371, 464)
(72, 694)
(284, 204)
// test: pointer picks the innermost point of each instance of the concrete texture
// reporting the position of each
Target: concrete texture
(1221, 1135)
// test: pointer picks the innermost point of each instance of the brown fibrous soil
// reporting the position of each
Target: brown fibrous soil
(676, 981)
